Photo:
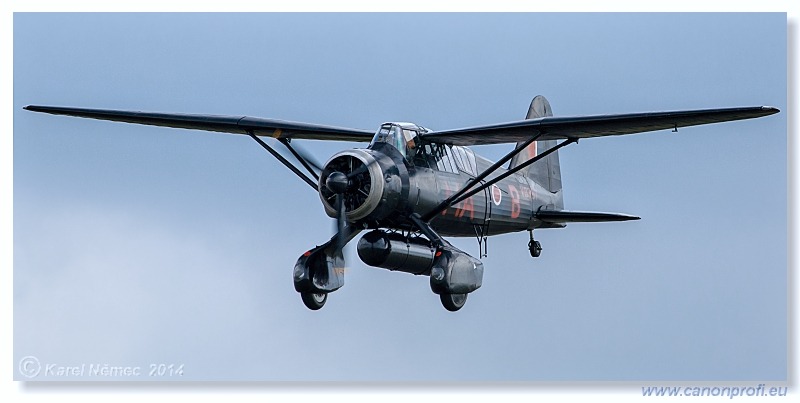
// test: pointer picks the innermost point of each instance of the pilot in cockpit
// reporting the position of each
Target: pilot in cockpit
(411, 145)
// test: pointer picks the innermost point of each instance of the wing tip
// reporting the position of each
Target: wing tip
(622, 217)
(39, 108)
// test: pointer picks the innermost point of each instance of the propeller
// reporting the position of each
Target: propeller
(345, 187)
(348, 178)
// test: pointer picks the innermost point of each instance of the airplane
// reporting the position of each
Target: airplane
(411, 186)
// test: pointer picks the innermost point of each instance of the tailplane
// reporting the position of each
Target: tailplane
(547, 171)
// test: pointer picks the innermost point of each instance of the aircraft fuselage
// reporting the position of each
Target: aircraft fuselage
(430, 177)
(505, 207)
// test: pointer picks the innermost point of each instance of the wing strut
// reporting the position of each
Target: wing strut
(283, 160)
(465, 193)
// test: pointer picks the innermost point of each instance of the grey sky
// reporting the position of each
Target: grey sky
(137, 245)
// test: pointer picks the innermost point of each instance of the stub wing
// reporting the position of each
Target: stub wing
(279, 129)
(580, 127)
(563, 217)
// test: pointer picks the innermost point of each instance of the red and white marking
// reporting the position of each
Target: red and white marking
(497, 195)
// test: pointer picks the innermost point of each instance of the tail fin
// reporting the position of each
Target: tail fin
(547, 171)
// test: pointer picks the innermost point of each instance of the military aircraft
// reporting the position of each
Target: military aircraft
(412, 186)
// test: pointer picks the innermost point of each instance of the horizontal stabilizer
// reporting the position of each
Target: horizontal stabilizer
(559, 217)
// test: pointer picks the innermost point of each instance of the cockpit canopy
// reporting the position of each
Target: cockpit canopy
(402, 136)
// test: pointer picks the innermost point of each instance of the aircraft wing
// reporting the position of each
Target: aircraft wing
(225, 124)
(580, 127)
(561, 216)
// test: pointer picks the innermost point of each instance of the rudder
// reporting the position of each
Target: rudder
(547, 171)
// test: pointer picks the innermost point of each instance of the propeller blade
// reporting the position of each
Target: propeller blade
(340, 213)
(363, 168)
(309, 163)
(341, 222)
(307, 157)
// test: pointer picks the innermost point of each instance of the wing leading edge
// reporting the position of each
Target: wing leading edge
(226, 124)
(549, 128)
(580, 127)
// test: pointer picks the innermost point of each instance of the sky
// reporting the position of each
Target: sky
(138, 246)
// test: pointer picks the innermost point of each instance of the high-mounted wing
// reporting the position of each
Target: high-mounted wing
(579, 127)
(279, 129)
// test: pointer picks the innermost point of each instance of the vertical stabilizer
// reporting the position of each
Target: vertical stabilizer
(546, 172)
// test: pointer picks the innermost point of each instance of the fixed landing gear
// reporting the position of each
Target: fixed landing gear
(320, 271)
(534, 247)
(453, 302)
(314, 301)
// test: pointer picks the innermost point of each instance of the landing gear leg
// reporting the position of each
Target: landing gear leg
(453, 274)
(534, 246)
(320, 271)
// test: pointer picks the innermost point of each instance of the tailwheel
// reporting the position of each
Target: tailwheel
(534, 247)
(314, 301)
(453, 302)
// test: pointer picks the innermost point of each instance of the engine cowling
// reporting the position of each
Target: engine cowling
(372, 188)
